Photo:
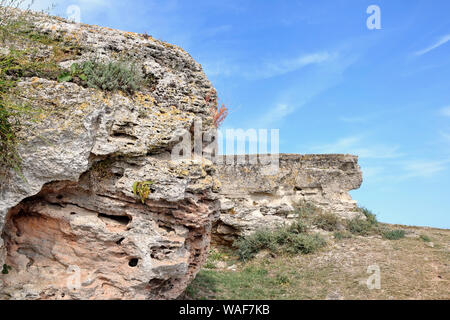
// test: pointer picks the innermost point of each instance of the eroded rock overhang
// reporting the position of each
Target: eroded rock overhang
(72, 208)
(251, 199)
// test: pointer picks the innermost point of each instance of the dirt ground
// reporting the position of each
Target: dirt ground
(414, 267)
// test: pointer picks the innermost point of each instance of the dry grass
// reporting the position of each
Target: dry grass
(410, 269)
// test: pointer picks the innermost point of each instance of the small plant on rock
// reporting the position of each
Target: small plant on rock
(14, 116)
(6, 269)
(10, 17)
(9, 156)
(75, 71)
(218, 114)
(142, 189)
(117, 75)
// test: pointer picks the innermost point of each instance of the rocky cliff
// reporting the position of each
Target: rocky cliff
(71, 225)
(92, 204)
(250, 199)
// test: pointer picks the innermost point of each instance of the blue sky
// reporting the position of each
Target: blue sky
(315, 71)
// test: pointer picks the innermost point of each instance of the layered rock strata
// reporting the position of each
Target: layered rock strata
(71, 225)
(251, 199)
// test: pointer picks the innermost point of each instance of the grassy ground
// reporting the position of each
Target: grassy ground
(411, 268)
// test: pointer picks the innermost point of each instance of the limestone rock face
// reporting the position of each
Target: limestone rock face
(250, 199)
(71, 226)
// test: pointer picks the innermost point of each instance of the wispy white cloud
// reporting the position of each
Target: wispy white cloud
(358, 146)
(220, 67)
(280, 67)
(264, 69)
(400, 171)
(276, 114)
(423, 168)
(372, 172)
(443, 40)
(325, 74)
(445, 111)
(395, 167)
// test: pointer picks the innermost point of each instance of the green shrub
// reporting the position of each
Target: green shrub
(213, 257)
(359, 226)
(249, 246)
(297, 226)
(306, 210)
(394, 234)
(288, 239)
(304, 243)
(339, 235)
(364, 226)
(12, 115)
(425, 238)
(371, 217)
(9, 157)
(110, 76)
(326, 221)
(216, 255)
(313, 215)
(10, 17)
(16, 116)
(20, 64)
